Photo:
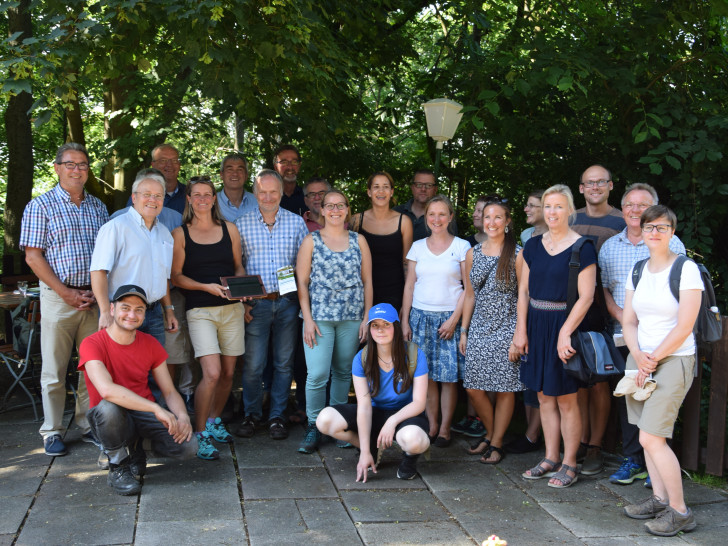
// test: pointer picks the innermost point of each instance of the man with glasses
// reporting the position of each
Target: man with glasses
(58, 232)
(617, 256)
(424, 188)
(136, 248)
(165, 158)
(287, 163)
(232, 199)
(270, 237)
(598, 221)
(313, 194)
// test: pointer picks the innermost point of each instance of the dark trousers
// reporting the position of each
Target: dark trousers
(630, 433)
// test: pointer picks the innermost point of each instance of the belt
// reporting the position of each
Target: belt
(84, 287)
(272, 295)
(545, 305)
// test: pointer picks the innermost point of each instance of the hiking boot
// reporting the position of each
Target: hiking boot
(246, 429)
(628, 472)
(54, 446)
(277, 429)
(138, 460)
(670, 522)
(311, 439)
(407, 467)
(217, 430)
(121, 479)
(205, 449)
(645, 509)
(593, 462)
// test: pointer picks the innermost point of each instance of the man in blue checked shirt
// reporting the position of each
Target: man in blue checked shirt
(58, 232)
(270, 237)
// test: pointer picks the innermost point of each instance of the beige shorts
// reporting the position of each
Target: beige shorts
(657, 414)
(178, 344)
(217, 330)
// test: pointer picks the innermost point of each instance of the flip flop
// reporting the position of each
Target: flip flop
(538, 471)
(564, 478)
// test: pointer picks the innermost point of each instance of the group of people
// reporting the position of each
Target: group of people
(384, 297)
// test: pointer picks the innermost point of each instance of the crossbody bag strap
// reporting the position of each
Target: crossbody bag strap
(572, 293)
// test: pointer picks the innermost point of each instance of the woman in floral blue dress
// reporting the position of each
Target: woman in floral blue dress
(335, 291)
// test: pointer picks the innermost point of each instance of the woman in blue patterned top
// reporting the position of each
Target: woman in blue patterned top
(335, 290)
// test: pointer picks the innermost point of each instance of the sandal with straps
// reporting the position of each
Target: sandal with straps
(479, 446)
(564, 478)
(489, 452)
(538, 471)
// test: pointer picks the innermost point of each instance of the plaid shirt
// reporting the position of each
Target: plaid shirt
(265, 251)
(618, 255)
(65, 232)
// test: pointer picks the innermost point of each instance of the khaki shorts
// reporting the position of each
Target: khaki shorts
(217, 330)
(178, 344)
(657, 414)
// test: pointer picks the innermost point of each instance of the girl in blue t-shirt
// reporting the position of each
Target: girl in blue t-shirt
(390, 403)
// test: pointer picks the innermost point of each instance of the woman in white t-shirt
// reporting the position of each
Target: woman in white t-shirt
(658, 330)
(431, 310)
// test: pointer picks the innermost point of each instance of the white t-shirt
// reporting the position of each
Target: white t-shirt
(656, 307)
(439, 282)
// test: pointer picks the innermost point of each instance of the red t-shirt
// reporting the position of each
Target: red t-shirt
(128, 365)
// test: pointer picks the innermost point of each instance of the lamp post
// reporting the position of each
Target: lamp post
(443, 117)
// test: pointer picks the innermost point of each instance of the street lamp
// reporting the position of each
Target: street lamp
(443, 117)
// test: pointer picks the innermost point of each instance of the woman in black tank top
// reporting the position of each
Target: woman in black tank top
(206, 247)
(389, 235)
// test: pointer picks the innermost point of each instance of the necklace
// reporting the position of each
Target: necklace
(380, 358)
(555, 244)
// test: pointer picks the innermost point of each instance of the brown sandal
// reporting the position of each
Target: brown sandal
(538, 471)
(564, 478)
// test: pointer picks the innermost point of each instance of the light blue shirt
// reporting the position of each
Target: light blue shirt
(169, 217)
(229, 211)
(266, 251)
(133, 254)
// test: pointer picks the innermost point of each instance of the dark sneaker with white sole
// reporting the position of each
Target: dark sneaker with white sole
(407, 467)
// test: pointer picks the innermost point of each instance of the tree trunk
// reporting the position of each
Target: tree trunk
(20, 147)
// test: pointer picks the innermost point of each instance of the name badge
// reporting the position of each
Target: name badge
(286, 280)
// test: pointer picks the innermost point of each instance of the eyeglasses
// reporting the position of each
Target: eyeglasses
(636, 206)
(319, 194)
(337, 206)
(165, 162)
(71, 165)
(592, 183)
(196, 179)
(424, 186)
(289, 162)
(147, 195)
(661, 228)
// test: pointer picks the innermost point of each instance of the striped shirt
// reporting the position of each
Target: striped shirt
(265, 251)
(66, 233)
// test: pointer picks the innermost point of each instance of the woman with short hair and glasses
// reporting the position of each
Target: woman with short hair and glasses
(534, 216)
(658, 330)
(389, 236)
(333, 269)
(206, 247)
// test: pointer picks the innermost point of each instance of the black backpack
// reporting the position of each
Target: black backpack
(709, 325)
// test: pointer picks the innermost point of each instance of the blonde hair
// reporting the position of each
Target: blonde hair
(564, 190)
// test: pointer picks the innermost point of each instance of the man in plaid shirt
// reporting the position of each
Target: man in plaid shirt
(58, 233)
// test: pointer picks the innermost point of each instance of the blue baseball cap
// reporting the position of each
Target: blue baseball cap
(383, 311)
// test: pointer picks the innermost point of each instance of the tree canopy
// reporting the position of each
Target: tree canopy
(549, 88)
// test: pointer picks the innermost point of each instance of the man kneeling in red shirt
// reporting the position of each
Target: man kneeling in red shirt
(116, 363)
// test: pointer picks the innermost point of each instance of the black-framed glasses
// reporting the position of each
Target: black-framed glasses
(661, 228)
(289, 162)
(592, 183)
(72, 165)
(319, 194)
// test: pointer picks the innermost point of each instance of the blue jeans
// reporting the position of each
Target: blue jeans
(276, 319)
(333, 354)
(154, 322)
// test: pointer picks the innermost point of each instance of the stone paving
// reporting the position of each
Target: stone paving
(263, 492)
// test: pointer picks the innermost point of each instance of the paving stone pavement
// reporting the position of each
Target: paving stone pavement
(263, 492)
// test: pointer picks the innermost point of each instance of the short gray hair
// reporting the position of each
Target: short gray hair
(641, 186)
(71, 147)
(316, 180)
(164, 146)
(149, 174)
(264, 173)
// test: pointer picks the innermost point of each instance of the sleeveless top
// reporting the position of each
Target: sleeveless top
(335, 288)
(206, 264)
(387, 265)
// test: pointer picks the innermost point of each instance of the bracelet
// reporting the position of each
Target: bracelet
(169, 307)
(464, 331)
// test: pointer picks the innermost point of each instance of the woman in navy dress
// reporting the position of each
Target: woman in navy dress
(543, 332)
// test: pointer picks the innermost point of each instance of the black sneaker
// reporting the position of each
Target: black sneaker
(277, 429)
(311, 439)
(523, 445)
(407, 467)
(121, 479)
(246, 429)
